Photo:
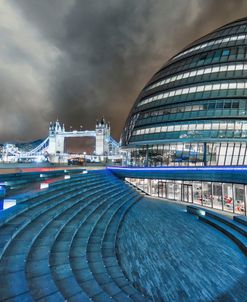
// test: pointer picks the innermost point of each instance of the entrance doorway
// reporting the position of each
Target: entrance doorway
(162, 189)
(187, 193)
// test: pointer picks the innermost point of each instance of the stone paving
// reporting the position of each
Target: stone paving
(171, 256)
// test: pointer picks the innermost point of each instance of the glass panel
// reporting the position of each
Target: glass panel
(241, 154)
(211, 157)
(178, 190)
(217, 196)
(170, 190)
(197, 192)
(239, 199)
(228, 197)
(229, 154)
(162, 189)
(154, 187)
(222, 154)
(207, 194)
(236, 153)
(145, 186)
(187, 193)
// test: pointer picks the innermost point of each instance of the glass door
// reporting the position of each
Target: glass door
(187, 193)
(162, 189)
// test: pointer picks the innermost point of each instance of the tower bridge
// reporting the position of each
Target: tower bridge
(53, 146)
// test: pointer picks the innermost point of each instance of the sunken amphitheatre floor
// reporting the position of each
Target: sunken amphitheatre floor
(93, 237)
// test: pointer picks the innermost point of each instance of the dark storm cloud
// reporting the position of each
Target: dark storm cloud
(80, 59)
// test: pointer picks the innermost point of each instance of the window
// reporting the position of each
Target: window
(200, 88)
(226, 68)
(224, 86)
(219, 105)
(211, 106)
(240, 66)
(232, 85)
(215, 42)
(227, 105)
(207, 126)
(226, 52)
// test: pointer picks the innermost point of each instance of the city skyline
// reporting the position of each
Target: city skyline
(78, 60)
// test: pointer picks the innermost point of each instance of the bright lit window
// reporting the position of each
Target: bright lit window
(223, 86)
(237, 126)
(224, 68)
(215, 42)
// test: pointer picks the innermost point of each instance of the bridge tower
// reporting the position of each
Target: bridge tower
(56, 141)
(102, 134)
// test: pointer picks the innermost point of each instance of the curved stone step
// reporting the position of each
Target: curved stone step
(65, 283)
(14, 262)
(94, 254)
(231, 228)
(27, 203)
(61, 244)
(237, 237)
(79, 264)
(241, 219)
(242, 229)
(34, 278)
(14, 226)
(36, 198)
(110, 254)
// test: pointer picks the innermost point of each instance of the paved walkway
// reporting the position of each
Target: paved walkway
(173, 257)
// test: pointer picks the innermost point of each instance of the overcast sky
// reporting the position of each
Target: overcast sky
(80, 59)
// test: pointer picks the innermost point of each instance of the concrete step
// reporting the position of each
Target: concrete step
(94, 256)
(110, 255)
(38, 198)
(61, 244)
(30, 233)
(34, 213)
(238, 238)
(58, 257)
(233, 223)
(86, 274)
(242, 229)
(241, 219)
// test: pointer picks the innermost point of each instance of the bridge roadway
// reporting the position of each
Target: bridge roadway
(61, 244)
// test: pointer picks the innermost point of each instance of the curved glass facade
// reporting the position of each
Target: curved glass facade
(193, 111)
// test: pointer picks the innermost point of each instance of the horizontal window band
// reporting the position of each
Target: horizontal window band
(211, 43)
(221, 125)
(199, 72)
(226, 86)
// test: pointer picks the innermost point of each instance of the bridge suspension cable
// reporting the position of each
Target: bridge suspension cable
(43, 145)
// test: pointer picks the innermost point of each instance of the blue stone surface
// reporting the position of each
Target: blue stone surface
(172, 256)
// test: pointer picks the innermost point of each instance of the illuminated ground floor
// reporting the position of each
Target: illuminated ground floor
(230, 197)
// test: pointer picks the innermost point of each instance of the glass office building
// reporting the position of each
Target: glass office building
(193, 112)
